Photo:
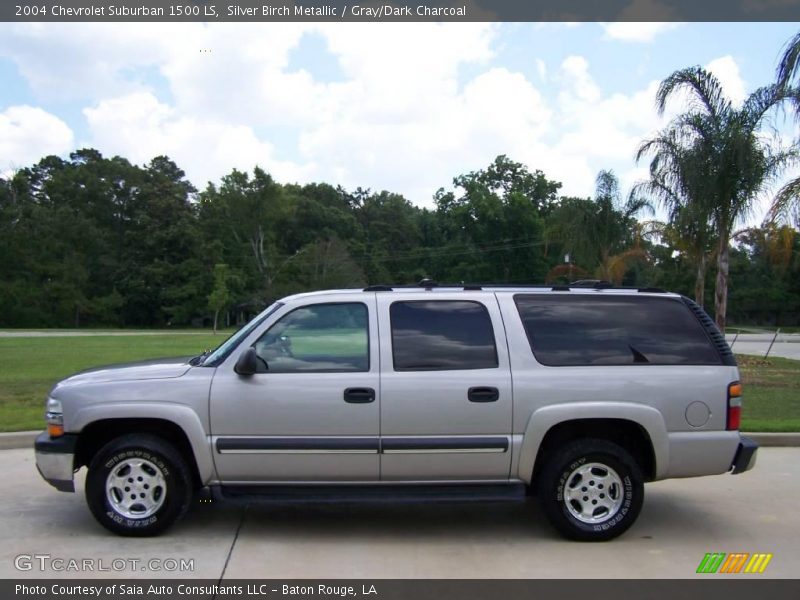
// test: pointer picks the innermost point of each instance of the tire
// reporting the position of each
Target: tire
(591, 490)
(155, 475)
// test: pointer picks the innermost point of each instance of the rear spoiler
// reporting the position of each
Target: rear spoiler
(714, 334)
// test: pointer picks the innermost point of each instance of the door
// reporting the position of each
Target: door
(310, 413)
(445, 388)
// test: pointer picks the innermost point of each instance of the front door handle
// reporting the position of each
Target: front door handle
(483, 394)
(359, 395)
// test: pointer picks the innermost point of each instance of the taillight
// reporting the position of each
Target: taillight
(734, 405)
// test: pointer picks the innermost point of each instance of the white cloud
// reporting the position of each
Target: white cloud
(579, 84)
(596, 130)
(727, 71)
(541, 68)
(140, 127)
(88, 60)
(403, 115)
(642, 32)
(28, 133)
(455, 132)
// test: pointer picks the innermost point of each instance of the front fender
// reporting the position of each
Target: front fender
(543, 419)
(179, 414)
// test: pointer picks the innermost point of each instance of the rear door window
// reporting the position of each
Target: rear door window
(442, 335)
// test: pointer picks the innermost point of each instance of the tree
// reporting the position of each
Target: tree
(252, 214)
(737, 160)
(786, 205)
(679, 178)
(326, 264)
(766, 264)
(388, 245)
(162, 276)
(601, 233)
(220, 296)
(493, 224)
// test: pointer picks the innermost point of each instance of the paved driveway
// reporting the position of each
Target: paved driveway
(680, 522)
(786, 345)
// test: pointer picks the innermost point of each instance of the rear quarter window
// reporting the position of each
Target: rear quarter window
(580, 330)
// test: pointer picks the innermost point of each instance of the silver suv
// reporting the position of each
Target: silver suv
(578, 395)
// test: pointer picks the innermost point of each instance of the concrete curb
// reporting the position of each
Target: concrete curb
(775, 439)
(24, 439)
(17, 439)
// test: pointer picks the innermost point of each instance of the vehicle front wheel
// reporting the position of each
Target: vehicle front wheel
(138, 485)
(591, 490)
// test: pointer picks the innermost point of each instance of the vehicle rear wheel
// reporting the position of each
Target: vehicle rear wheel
(138, 485)
(591, 490)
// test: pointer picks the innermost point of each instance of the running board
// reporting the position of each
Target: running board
(321, 494)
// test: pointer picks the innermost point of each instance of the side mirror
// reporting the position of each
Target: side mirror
(247, 363)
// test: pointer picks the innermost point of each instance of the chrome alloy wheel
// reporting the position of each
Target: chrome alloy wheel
(136, 488)
(593, 493)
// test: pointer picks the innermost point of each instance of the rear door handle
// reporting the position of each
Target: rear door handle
(483, 394)
(359, 395)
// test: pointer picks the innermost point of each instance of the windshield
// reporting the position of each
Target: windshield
(226, 347)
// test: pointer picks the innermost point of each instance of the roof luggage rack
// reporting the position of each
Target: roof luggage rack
(595, 284)
(591, 283)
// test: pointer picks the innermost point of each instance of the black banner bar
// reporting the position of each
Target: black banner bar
(398, 11)
(711, 586)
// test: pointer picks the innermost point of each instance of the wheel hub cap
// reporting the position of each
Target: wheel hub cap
(136, 488)
(593, 493)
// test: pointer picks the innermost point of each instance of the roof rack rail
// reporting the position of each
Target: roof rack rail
(427, 283)
(378, 288)
(543, 286)
(597, 284)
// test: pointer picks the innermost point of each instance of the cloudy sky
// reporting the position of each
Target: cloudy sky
(404, 107)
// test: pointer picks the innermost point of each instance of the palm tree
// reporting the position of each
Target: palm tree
(732, 162)
(787, 201)
(789, 64)
(678, 180)
(776, 242)
(595, 231)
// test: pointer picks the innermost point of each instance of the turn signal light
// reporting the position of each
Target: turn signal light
(734, 406)
(55, 430)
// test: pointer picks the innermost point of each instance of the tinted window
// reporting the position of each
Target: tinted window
(319, 337)
(440, 335)
(613, 330)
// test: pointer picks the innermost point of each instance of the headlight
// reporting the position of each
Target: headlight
(54, 406)
(54, 418)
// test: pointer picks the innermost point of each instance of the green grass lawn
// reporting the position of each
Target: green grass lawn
(30, 366)
(771, 393)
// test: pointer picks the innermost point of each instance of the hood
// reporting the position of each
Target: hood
(159, 368)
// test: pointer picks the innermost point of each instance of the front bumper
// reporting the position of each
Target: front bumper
(55, 460)
(745, 457)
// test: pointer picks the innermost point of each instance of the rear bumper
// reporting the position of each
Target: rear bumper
(745, 457)
(55, 460)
